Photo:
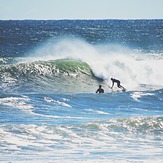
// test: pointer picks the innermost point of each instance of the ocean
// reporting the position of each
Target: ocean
(49, 73)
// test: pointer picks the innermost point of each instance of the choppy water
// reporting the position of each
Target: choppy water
(49, 72)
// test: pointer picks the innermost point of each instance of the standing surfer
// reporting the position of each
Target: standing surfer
(118, 84)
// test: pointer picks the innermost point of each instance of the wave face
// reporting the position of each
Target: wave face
(60, 76)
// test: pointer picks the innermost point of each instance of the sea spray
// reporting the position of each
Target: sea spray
(130, 67)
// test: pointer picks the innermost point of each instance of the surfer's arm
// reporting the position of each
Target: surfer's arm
(121, 86)
(112, 85)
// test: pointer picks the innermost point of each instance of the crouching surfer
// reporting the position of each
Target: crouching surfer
(118, 84)
(100, 90)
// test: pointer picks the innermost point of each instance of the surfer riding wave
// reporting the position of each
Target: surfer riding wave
(118, 84)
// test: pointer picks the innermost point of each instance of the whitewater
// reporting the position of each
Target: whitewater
(49, 73)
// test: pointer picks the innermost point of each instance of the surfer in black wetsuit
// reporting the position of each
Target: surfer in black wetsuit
(100, 90)
(118, 83)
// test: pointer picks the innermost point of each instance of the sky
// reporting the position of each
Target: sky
(80, 9)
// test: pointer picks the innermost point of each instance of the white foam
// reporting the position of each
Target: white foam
(137, 95)
(48, 99)
(96, 111)
(17, 102)
(78, 143)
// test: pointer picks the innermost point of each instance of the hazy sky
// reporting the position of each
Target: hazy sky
(81, 9)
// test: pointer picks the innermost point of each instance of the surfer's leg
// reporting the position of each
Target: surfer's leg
(118, 85)
(123, 89)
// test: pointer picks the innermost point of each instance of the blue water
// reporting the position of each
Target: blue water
(49, 73)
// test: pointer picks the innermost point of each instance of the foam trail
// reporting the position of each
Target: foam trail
(107, 61)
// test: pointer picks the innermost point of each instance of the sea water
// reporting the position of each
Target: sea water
(49, 73)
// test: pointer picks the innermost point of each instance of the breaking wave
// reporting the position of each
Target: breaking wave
(70, 65)
(57, 75)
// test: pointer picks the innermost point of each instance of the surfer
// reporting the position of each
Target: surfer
(100, 90)
(118, 84)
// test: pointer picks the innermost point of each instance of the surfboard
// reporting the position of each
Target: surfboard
(124, 90)
(118, 90)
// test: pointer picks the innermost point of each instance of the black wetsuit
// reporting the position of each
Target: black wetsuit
(116, 81)
(100, 90)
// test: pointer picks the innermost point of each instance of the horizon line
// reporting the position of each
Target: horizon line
(88, 19)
